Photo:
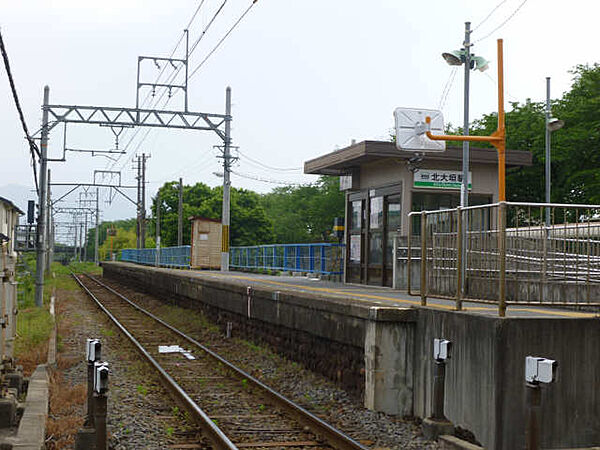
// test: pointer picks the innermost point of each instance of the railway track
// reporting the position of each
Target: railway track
(232, 408)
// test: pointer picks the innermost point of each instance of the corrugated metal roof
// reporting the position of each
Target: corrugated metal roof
(11, 204)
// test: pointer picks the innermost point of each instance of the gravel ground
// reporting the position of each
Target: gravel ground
(140, 413)
(313, 391)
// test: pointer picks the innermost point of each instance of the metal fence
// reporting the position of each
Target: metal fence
(165, 256)
(323, 258)
(509, 254)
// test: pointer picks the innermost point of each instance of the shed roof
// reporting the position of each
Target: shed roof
(204, 219)
(12, 205)
(342, 161)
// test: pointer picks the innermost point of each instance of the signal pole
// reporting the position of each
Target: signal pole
(41, 225)
(226, 183)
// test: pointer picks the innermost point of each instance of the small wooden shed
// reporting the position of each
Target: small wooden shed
(206, 243)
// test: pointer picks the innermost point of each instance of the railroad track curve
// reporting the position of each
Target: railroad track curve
(232, 408)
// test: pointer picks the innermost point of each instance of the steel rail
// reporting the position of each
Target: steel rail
(214, 434)
(325, 431)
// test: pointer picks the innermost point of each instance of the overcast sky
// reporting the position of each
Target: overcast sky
(307, 76)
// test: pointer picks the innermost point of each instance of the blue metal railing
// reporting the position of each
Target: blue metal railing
(169, 256)
(322, 258)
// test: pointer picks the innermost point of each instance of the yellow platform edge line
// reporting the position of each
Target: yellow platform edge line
(404, 300)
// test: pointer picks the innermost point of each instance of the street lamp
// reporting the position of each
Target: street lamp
(470, 61)
(552, 124)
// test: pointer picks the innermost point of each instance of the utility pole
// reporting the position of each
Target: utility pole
(158, 229)
(41, 225)
(143, 201)
(48, 239)
(464, 188)
(548, 156)
(226, 183)
(138, 228)
(80, 253)
(75, 242)
(96, 236)
(180, 215)
(85, 236)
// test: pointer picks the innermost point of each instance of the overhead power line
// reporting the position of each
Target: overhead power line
(447, 88)
(33, 148)
(222, 39)
(503, 23)
(176, 72)
(489, 15)
(148, 95)
(268, 180)
(283, 169)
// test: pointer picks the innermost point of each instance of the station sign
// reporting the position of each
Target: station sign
(440, 179)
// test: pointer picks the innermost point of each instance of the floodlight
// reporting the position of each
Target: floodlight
(454, 58)
(481, 63)
(555, 124)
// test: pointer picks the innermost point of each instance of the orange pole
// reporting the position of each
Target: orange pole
(498, 137)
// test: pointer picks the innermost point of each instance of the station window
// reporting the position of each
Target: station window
(430, 201)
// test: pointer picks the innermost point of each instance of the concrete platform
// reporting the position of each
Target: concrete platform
(382, 296)
(379, 342)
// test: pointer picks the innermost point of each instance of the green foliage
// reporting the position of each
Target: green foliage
(33, 328)
(575, 158)
(305, 213)
(125, 230)
(249, 222)
(141, 389)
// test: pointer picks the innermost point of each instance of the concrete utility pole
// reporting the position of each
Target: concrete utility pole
(180, 215)
(75, 243)
(85, 236)
(81, 241)
(48, 259)
(41, 225)
(158, 229)
(138, 228)
(143, 200)
(226, 183)
(96, 235)
(464, 188)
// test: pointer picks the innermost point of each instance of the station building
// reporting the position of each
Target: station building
(383, 184)
(9, 219)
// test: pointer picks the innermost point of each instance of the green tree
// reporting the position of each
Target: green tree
(249, 222)
(305, 213)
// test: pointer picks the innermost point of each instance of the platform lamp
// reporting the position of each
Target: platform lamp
(470, 61)
(552, 124)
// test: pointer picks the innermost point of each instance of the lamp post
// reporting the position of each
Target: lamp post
(470, 61)
(552, 124)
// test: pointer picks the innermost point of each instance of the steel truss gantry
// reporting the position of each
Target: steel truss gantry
(110, 116)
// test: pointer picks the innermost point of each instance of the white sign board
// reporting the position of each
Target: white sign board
(355, 248)
(411, 128)
(440, 179)
(345, 182)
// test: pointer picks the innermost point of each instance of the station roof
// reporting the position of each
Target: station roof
(12, 205)
(342, 161)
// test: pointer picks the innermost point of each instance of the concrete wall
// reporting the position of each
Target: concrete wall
(387, 353)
